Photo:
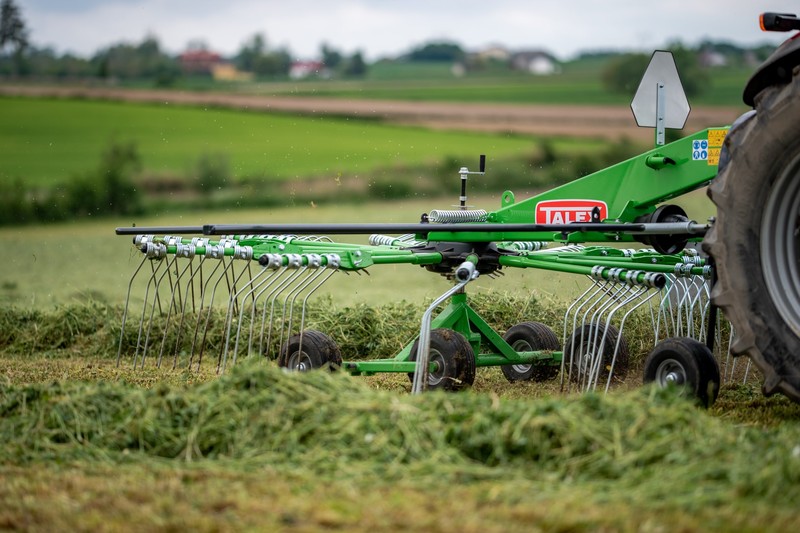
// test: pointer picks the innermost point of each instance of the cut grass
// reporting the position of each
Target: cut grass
(260, 448)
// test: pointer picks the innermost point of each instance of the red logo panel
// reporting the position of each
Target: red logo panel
(568, 211)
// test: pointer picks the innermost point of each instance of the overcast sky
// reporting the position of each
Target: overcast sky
(389, 27)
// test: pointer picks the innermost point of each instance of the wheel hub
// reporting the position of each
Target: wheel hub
(300, 362)
(670, 372)
(780, 249)
(522, 346)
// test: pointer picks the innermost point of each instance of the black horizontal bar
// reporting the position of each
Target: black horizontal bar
(365, 229)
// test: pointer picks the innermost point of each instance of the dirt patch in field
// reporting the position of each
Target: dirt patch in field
(611, 122)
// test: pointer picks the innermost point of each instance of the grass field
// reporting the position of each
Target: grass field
(88, 446)
(579, 83)
(81, 449)
(48, 141)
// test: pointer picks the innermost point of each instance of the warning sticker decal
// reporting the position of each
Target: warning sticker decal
(709, 149)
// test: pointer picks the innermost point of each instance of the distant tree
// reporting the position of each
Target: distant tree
(255, 56)
(250, 51)
(694, 77)
(12, 27)
(437, 51)
(623, 73)
(13, 32)
(145, 60)
(332, 58)
(355, 66)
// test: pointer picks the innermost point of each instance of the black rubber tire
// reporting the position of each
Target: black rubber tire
(583, 339)
(455, 358)
(754, 240)
(529, 337)
(684, 362)
(318, 351)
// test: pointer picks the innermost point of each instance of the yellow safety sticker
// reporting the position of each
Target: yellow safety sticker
(715, 137)
(713, 155)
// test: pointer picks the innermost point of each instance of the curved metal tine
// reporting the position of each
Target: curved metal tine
(747, 371)
(686, 308)
(233, 305)
(210, 310)
(655, 317)
(695, 287)
(230, 308)
(271, 279)
(643, 301)
(305, 300)
(310, 278)
(303, 271)
(729, 361)
(271, 297)
(175, 289)
(167, 270)
(680, 283)
(203, 290)
(127, 304)
(599, 296)
(247, 267)
(610, 289)
(154, 267)
(595, 359)
(254, 285)
(666, 310)
(248, 290)
(279, 273)
(189, 286)
(702, 305)
(173, 285)
(565, 328)
(591, 296)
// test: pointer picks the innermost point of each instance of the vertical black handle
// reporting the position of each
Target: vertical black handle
(483, 162)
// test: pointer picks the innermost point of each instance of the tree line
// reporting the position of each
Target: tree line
(20, 58)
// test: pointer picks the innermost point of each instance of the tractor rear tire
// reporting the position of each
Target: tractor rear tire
(755, 241)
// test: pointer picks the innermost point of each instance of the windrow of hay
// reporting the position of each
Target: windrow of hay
(361, 331)
(648, 442)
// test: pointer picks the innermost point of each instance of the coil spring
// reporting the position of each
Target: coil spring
(457, 215)
(381, 240)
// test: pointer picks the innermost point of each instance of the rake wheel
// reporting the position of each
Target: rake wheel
(684, 362)
(755, 241)
(587, 340)
(453, 358)
(315, 350)
(529, 337)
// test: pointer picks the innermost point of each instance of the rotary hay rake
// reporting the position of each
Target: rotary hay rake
(263, 276)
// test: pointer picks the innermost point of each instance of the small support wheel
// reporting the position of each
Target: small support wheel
(453, 359)
(308, 351)
(531, 337)
(586, 341)
(684, 362)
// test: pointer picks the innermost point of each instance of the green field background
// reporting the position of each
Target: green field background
(45, 142)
